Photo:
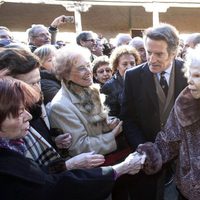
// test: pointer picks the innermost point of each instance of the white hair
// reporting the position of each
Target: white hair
(192, 58)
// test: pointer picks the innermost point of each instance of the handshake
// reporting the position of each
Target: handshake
(131, 165)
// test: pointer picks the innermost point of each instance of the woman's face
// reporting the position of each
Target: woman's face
(103, 73)
(16, 127)
(48, 63)
(81, 73)
(194, 81)
(126, 61)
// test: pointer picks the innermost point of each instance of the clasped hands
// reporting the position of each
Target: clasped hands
(131, 165)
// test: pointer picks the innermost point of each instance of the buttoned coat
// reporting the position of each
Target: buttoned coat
(64, 113)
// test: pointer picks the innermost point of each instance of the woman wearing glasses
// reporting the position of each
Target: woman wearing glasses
(101, 70)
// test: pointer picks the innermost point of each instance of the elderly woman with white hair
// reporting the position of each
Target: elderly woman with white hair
(78, 107)
(180, 138)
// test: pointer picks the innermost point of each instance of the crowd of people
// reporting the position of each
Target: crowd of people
(98, 121)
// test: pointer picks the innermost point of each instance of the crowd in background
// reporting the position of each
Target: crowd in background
(122, 117)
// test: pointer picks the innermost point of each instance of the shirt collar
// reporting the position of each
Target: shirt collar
(169, 69)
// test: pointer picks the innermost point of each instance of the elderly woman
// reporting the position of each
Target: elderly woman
(122, 58)
(22, 178)
(102, 71)
(181, 135)
(78, 108)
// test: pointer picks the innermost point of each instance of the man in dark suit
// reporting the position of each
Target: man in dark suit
(149, 94)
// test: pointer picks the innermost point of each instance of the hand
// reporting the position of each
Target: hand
(112, 122)
(63, 141)
(118, 129)
(85, 160)
(131, 165)
(58, 21)
(135, 161)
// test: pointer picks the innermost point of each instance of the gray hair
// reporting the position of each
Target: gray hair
(165, 32)
(122, 39)
(83, 36)
(32, 32)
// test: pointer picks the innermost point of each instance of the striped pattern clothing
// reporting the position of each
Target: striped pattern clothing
(39, 149)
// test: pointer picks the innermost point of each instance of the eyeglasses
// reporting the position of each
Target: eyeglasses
(42, 35)
(104, 70)
(90, 40)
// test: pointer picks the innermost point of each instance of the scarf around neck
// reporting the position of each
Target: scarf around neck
(90, 100)
(16, 145)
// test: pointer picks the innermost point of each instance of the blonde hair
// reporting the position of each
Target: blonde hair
(44, 52)
(123, 50)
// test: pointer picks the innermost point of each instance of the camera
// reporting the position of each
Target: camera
(68, 19)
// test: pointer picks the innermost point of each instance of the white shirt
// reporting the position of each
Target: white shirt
(167, 74)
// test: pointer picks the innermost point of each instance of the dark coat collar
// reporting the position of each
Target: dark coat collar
(187, 108)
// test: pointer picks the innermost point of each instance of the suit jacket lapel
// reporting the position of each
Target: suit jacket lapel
(149, 85)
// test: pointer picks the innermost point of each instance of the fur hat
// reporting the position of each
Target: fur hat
(153, 162)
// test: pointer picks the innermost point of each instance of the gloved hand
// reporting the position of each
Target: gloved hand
(85, 160)
(63, 141)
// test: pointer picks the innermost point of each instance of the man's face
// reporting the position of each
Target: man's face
(158, 57)
(90, 43)
(41, 37)
(194, 81)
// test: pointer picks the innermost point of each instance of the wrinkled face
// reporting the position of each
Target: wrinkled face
(81, 73)
(48, 63)
(32, 78)
(194, 81)
(103, 73)
(16, 127)
(41, 37)
(158, 57)
(126, 61)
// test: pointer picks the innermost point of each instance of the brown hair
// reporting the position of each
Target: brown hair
(165, 32)
(15, 93)
(18, 61)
